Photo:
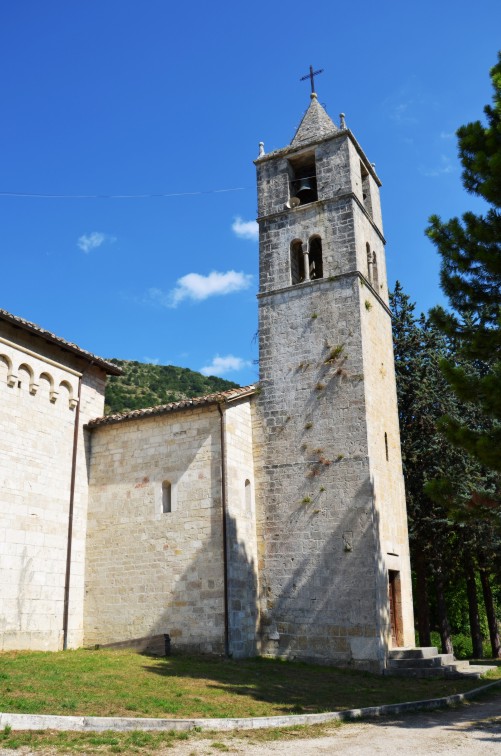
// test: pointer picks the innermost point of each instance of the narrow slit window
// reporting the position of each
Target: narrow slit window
(297, 262)
(248, 496)
(315, 258)
(386, 446)
(369, 262)
(166, 497)
(366, 189)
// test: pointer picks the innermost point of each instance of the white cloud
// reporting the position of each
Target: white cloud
(446, 166)
(223, 365)
(409, 103)
(447, 134)
(401, 112)
(158, 297)
(197, 288)
(95, 239)
(152, 360)
(245, 229)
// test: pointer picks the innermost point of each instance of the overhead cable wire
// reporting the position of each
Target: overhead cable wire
(119, 196)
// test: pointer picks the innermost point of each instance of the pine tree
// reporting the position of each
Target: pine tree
(444, 548)
(420, 401)
(471, 278)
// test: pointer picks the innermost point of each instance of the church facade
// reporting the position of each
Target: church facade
(268, 519)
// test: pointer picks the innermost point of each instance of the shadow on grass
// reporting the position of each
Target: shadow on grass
(295, 687)
(487, 662)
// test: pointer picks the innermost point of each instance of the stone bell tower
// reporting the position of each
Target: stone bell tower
(334, 557)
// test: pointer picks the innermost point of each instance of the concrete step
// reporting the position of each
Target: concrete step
(469, 670)
(424, 652)
(440, 660)
(427, 662)
(416, 672)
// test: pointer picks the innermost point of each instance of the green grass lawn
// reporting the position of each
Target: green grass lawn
(123, 683)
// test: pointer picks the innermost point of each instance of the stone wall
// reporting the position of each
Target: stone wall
(242, 544)
(39, 397)
(151, 572)
(315, 497)
(328, 501)
(383, 437)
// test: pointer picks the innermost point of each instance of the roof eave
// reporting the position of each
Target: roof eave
(51, 338)
(232, 395)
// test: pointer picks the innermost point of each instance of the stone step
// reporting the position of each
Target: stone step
(440, 660)
(440, 665)
(427, 662)
(469, 670)
(424, 652)
(416, 671)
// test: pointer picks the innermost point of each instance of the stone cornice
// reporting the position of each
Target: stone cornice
(321, 202)
(324, 282)
(289, 150)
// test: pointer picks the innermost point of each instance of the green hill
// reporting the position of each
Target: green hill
(144, 385)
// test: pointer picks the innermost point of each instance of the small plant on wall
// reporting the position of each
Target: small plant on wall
(334, 354)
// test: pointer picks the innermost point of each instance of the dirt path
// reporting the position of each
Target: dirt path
(472, 730)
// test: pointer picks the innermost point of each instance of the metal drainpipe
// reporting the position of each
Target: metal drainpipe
(225, 537)
(70, 520)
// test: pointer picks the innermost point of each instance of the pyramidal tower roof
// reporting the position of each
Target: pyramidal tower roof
(316, 124)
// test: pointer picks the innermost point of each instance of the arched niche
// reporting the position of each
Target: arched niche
(68, 389)
(11, 376)
(26, 377)
(46, 382)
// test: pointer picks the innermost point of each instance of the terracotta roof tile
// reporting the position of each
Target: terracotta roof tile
(185, 404)
(109, 367)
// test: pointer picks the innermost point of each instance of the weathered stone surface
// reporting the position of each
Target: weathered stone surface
(38, 396)
(315, 125)
(331, 506)
(151, 572)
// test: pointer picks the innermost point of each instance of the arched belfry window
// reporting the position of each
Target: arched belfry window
(166, 497)
(315, 258)
(369, 262)
(375, 279)
(303, 175)
(297, 262)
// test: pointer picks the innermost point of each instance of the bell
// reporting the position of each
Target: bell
(304, 186)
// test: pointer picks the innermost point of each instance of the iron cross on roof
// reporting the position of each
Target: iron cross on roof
(310, 77)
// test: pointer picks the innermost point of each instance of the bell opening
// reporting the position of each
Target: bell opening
(303, 183)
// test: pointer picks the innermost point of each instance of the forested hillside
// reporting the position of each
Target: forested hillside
(144, 385)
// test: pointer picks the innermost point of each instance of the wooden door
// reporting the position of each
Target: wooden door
(394, 604)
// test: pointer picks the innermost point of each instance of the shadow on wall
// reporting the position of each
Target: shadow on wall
(206, 632)
(331, 605)
(148, 571)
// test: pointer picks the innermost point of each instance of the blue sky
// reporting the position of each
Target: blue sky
(149, 97)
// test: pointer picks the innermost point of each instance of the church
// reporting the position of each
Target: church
(267, 519)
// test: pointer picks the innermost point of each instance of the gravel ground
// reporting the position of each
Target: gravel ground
(473, 729)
